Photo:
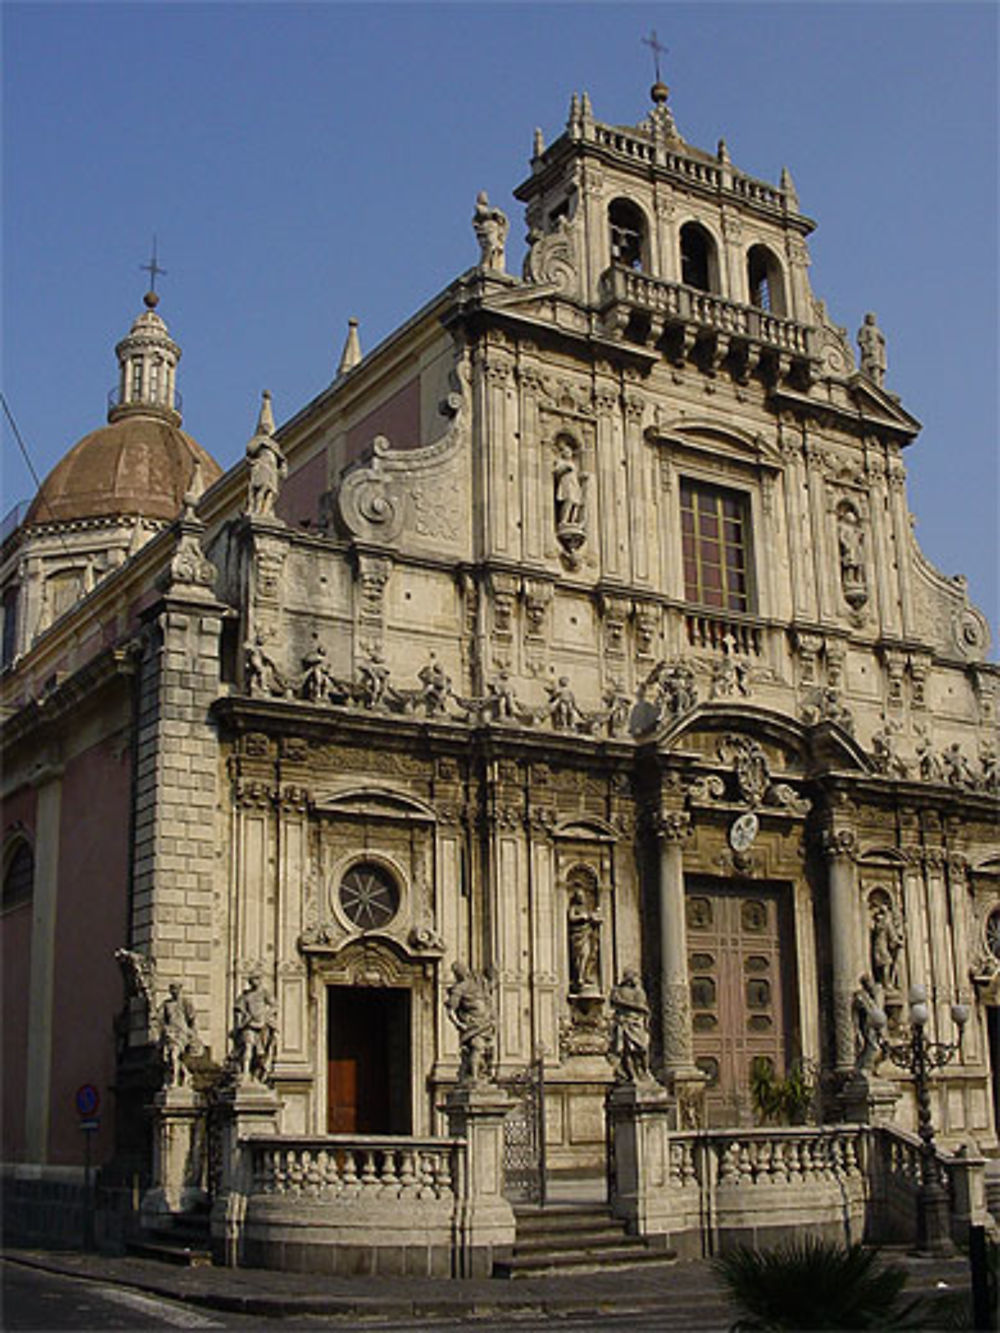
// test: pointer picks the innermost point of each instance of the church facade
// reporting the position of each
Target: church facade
(578, 628)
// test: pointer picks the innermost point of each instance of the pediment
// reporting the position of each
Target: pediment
(585, 828)
(715, 438)
(373, 802)
(880, 409)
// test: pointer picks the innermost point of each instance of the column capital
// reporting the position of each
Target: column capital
(842, 842)
(672, 826)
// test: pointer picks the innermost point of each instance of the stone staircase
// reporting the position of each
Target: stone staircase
(182, 1239)
(567, 1238)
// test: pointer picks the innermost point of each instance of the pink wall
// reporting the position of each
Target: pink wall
(15, 961)
(90, 925)
(299, 498)
(398, 418)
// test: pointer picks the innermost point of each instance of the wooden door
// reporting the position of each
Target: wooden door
(742, 981)
(368, 1060)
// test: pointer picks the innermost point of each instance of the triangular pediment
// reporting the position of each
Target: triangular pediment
(706, 435)
(879, 408)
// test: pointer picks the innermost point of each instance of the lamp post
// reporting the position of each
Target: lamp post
(921, 1057)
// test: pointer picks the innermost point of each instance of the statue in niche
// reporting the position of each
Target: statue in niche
(886, 945)
(630, 1029)
(570, 498)
(491, 227)
(178, 1035)
(262, 676)
(851, 544)
(871, 341)
(469, 1005)
(584, 926)
(869, 1026)
(254, 1029)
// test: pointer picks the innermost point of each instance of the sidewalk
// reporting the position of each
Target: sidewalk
(686, 1293)
(690, 1290)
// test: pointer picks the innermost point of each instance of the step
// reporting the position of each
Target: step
(170, 1252)
(584, 1261)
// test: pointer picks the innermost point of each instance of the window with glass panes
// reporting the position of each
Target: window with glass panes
(715, 546)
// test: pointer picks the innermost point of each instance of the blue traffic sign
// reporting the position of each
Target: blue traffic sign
(88, 1099)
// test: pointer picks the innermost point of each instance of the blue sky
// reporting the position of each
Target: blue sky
(302, 163)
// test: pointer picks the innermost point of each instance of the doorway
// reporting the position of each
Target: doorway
(368, 1060)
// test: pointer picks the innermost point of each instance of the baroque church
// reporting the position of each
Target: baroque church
(576, 632)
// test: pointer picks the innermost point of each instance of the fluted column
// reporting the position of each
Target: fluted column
(673, 827)
(838, 848)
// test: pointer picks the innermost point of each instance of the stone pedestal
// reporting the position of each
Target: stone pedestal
(687, 1087)
(476, 1113)
(246, 1110)
(178, 1155)
(866, 1099)
(638, 1118)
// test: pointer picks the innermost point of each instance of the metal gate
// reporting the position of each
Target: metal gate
(524, 1136)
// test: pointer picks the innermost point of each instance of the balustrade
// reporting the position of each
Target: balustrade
(343, 1166)
(722, 634)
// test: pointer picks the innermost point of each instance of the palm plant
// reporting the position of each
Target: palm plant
(816, 1284)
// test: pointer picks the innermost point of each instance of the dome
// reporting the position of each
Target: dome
(138, 465)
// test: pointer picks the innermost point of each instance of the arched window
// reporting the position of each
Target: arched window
(765, 280)
(699, 267)
(19, 875)
(628, 234)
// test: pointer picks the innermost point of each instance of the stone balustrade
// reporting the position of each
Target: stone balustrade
(719, 633)
(743, 330)
(341, 1166)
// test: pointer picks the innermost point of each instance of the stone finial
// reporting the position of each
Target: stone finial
(491, 227)
(574, 111)
(538, 143)
(788, 186)
(351, 354)
(722, 154)
(586, 110)
(871, 341)
(265, 418)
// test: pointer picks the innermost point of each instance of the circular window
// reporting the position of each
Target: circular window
(369, 896)
(993, 933)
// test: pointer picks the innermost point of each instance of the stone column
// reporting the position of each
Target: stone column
(485, 1222)
(838, 848)
(178, 1154)
(673, 826)
(638, 1121)
(38, 1076)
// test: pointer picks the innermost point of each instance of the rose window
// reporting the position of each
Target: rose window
(369, 896)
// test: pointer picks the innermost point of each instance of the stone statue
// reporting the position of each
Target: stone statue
(730, 678)
(562, 708)
(851, 544)
(871, 341)
(885, 758)
(435, 687)
(373, 680)
(869, 1025)
(956, 769)
(928, 763)
(491, 227)
(619, 707)
(886, 944)
(268, 468)
(254, 1029)
(501, 702)
(317, 681)
(470, 1007)
(630, 1029)
(262, 676)
(584, 924)
(569, 490)
(178, 1035)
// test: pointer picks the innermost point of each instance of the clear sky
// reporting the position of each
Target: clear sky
(303, 163)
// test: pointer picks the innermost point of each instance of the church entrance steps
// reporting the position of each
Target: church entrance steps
(183, 1240)
(575, 1238)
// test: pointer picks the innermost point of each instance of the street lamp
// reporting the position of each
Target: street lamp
(921, 1057)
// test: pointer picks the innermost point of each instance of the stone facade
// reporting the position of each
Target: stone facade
(580, 627)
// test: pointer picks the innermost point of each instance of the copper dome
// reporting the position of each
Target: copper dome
(137, 465)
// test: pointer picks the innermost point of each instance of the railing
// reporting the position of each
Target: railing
(174, 400)
(675, 301)
(722, 634)
(342, 1166)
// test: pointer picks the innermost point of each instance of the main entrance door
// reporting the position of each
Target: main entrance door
(742, 983)
(368, 1060)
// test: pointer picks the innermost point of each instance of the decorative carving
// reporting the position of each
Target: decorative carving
(629, 1047)
(138, 975)
(373, 575)
(729, 678)
(838, 842)
(263, 679)
(470, 1006)
(667, 693)
(318, 684)
(618, 709)
(491, 227)
(885, 758)
(551, 257)
(676, 1019)
(562, 710)
(189, 566)
(647, 626)
(254, 1030)
(372, 687)
(178, 1035)
(824, 705)
(435, 688)
(808, 647)
(425, 939)
(895, 665)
